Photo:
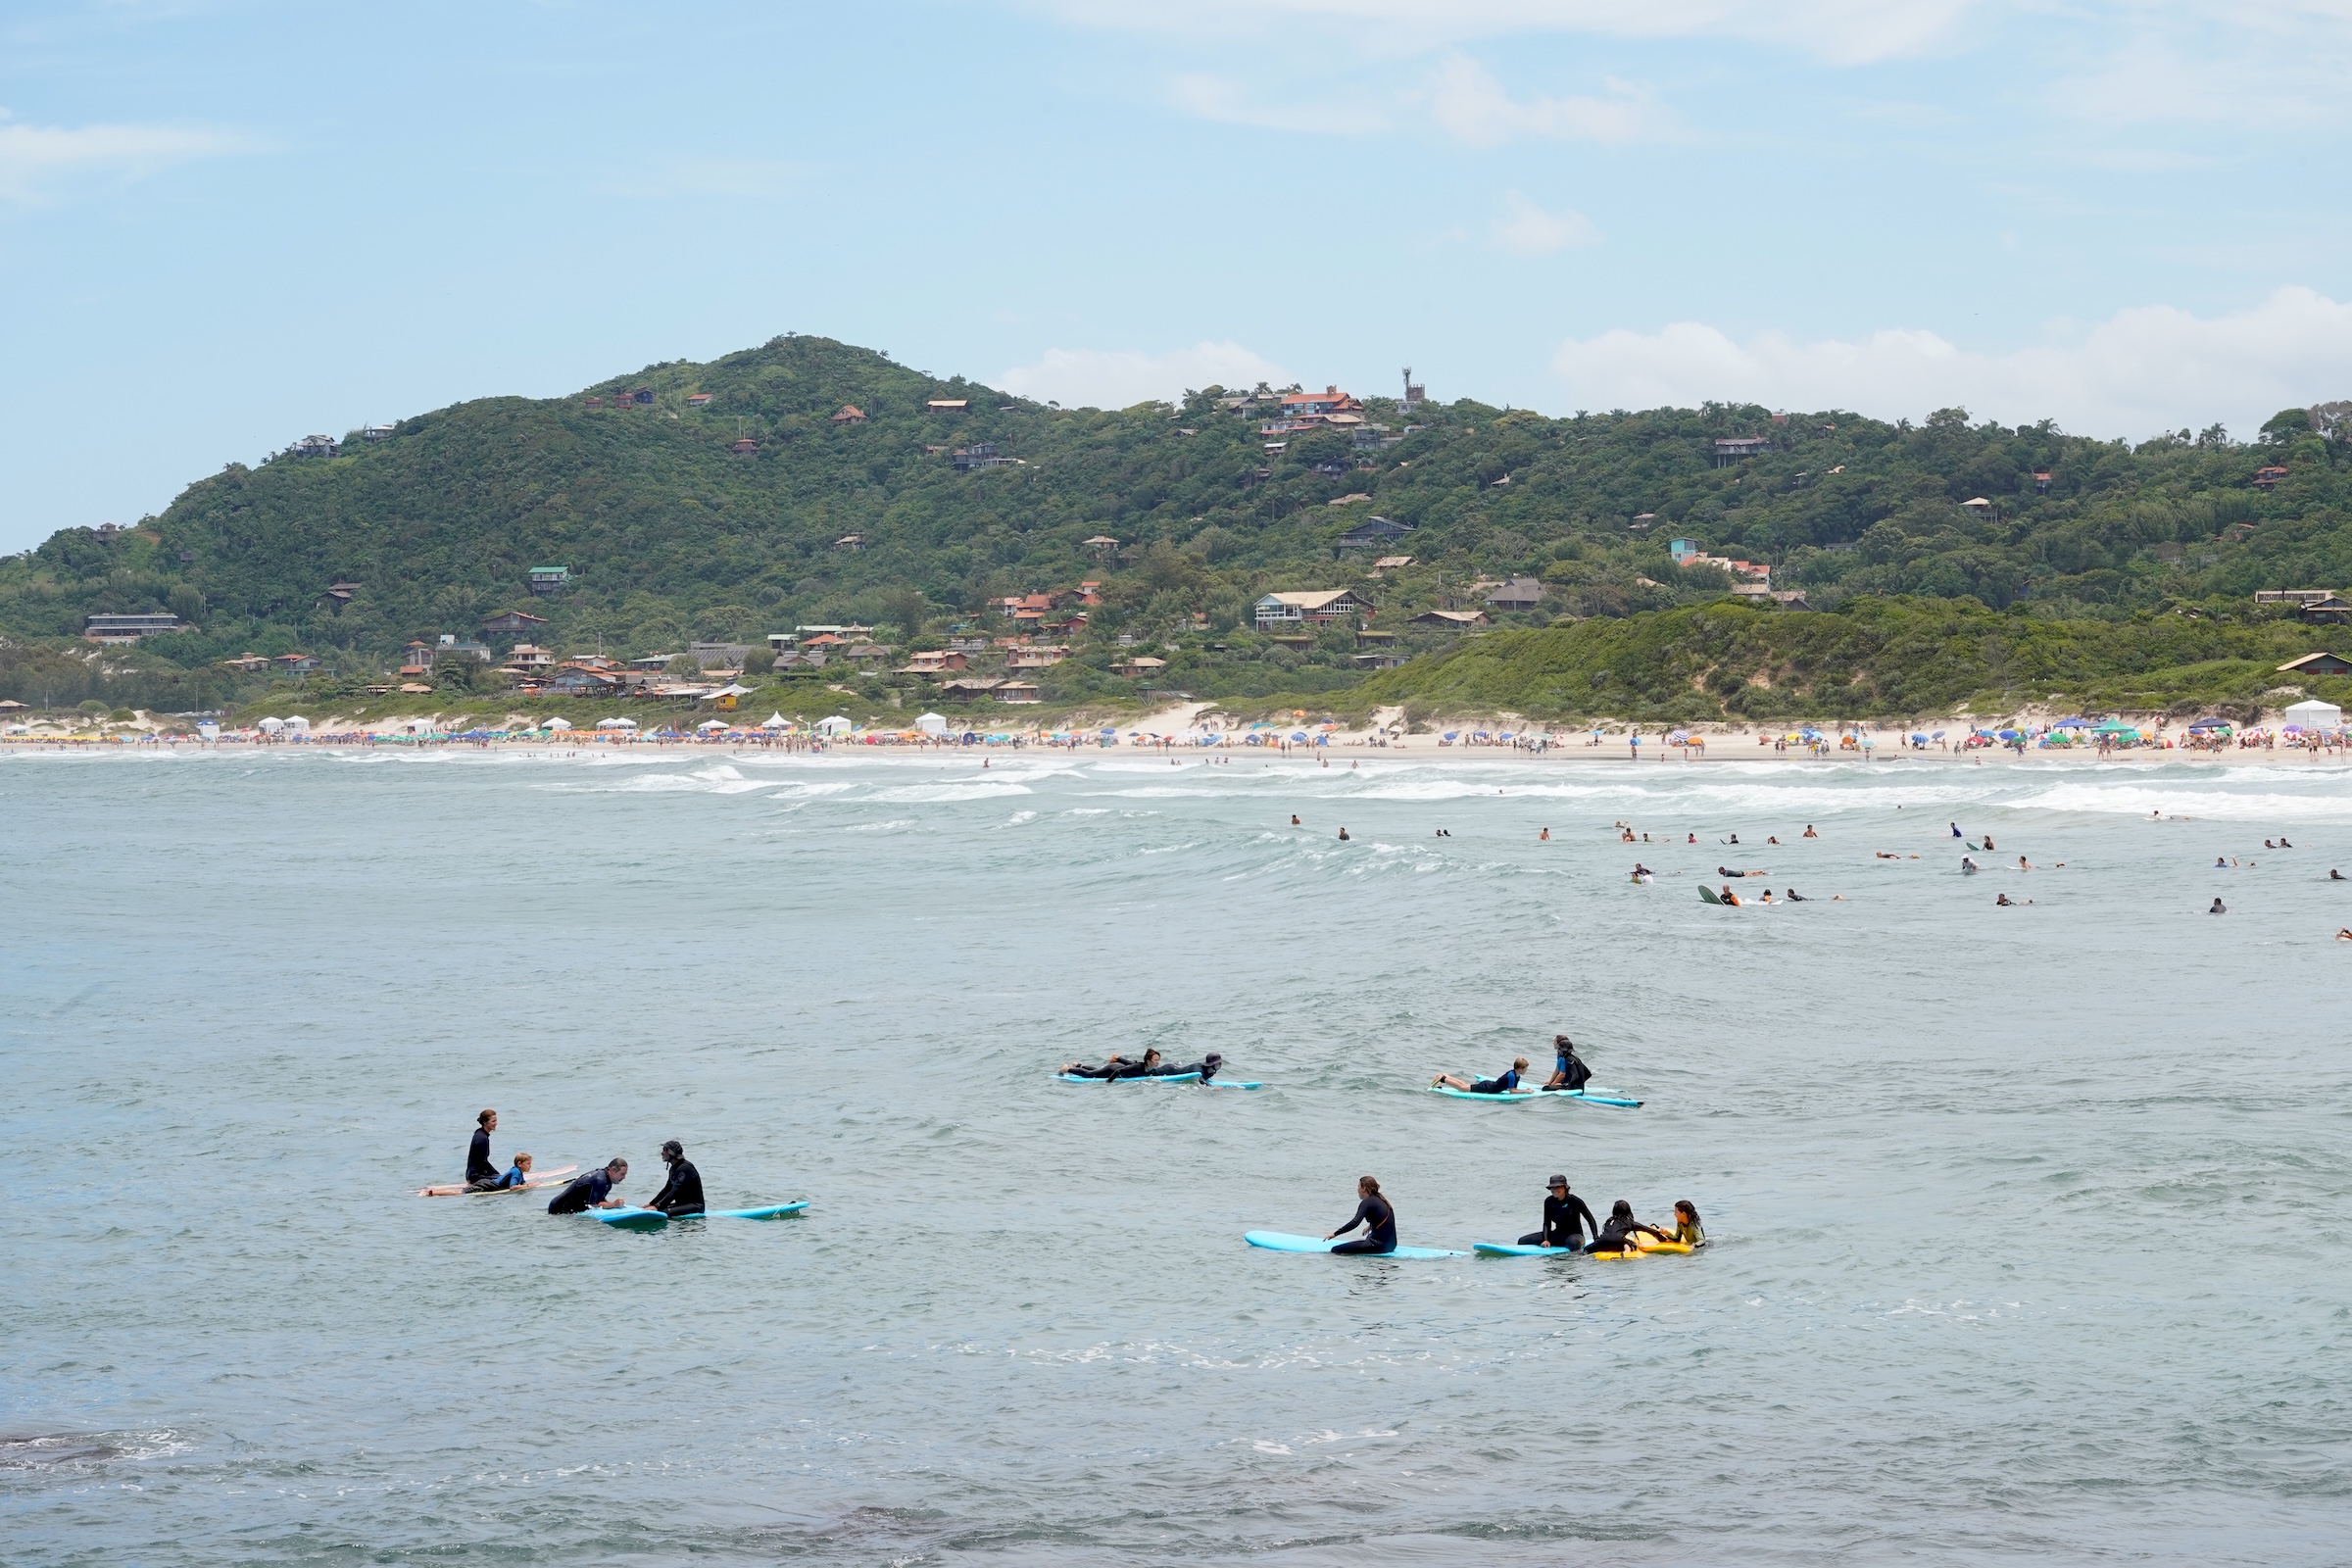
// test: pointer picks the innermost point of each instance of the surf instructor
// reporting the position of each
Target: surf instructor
(593, 1190)
(682, 1193)
(1373, 1213)
(482, 1172)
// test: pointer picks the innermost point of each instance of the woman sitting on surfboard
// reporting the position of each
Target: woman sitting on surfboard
(481, 1174)
(1502, 1084)
(1619, 1229)
(1568, 1071)
(1687, 1229)
(1373, 1213)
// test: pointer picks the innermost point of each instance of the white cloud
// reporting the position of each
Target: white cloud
(1112, 379)
(2143, 370)
(38, 163)
(1526, 229)
(1474, 108)
(1224, 100)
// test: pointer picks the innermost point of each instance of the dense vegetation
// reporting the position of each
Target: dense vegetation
(1876, 657)
(669, 534)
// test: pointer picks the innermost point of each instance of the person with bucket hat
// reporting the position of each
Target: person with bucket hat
(1563, 1213)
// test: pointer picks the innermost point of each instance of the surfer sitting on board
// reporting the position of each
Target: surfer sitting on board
(592, 1191)
(1502, 1084)
(1373, 1213)
(481, 1175)
(1618, 1230)
(1565, 1218)
(1567, 1071)
(682, 1193)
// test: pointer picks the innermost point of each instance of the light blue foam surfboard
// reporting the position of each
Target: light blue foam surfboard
(653, 1219)
(1155, 1078)
(1516, 1096)
(1591, 1095)
(1514, 1250)
(630, 1219)
(1277, 1241)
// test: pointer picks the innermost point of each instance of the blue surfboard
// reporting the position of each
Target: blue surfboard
(1277, 1241)
(1155, 1078)
(1516, 1096)
(1514, 1250)
(630, 1219)
(1593, 1096)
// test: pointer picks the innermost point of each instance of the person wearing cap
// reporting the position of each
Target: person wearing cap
(682, 1193)
(1568, 1072)
(1207, 1067)
(1565, 1218)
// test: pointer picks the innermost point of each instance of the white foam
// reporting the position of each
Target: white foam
(2138, 800)
(941, 793)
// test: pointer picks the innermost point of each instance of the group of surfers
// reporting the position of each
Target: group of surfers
(680, 1196)
(1152, 1066)
(1568, 1073)
(1566, 1219)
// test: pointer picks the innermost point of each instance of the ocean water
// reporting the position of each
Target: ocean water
(2030, 1234)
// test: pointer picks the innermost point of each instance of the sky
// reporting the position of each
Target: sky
(226, 223)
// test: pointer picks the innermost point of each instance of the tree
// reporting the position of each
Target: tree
(903, 608)
(2287, 427)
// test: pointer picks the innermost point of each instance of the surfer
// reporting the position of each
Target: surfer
(481, 1174)
(2002, 900)
(1618, 1230)
(1111, 1068)
(1568, 1070)
(1148, 1067)
(1343, 835)
(1793, 896)
(1500, 1083)
(517, 1175)
(2218, 907)
(1727, 896)
(1207, 1067)
(682, 1193)
(1957, 833)
(1687, 1229)
(1968, 868)
(592, 1191)
(1565, 1218)
(1809, 833)
(1375, 1216)
(2334, 875)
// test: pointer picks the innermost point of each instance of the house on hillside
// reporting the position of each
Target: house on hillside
(316, 446)
(1331, 400)
(1020, 691)
(2291, 596)
(643, 397)
(1043, 656)
(1140, 665)
(2328, 612)
(377, 432)
(2317, 664)
(452, 646)
(718, 656)
(935, 662)
(512, 624)
(852, 542)
(1519, 592)
(549, 579)
(1372, 533)
(2268, 477)
(744, 447)
(1390, 563)
(249, 664)
(950, 405)
(530, 655)
(1287, 612)
(294, 664)
(698, 400)
(1731, 449)
(1101, 547)
(127, 628)
(847, 414)
(1450, 619)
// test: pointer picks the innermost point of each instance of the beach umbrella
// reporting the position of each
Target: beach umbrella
(1298, 735)
(2009, 735)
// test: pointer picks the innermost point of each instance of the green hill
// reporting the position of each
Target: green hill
(724, 517)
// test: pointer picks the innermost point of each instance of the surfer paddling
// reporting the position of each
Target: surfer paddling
(1502, 1082)
(592, 1191)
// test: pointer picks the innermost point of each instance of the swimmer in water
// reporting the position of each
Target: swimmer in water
(2218, 907)
(1809, 833)
(1343, 835)
(1293, 819)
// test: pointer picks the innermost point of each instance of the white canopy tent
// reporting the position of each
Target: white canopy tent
(931, 724)
(711, 726)
(616, 723)
(2315, 715)
(775, 722)
(835, 725)
(559, 723)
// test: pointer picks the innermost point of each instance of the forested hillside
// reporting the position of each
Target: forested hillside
(724, 516)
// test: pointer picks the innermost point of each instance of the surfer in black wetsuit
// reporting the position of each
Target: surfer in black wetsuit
(1207, 1067)
(682, 1193)
(1373, 1213)
(592, 1191)
(1568, 1071)
(481, 1172)
(1148, 1067)
(1617, 1231)
(1112, 1067)
(1565, 1218)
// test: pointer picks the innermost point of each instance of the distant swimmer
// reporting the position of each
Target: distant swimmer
(682, 1193)
(592, 1191)
(1733, 839)
(1885, 855)
(1809, 833)
(1546, 835)
(2218, 907)
(1293, 819)
(1730, 898)
(1619, 1229)
(1343, 835)
(2334, 875)
(1693, 838)
(1374, 1213)
(1770, 840)
(1502, 1082)
(2002, 900)
(1767, 898)
(1796, 897)
(481, 1172)
(1568, 1070)
(1968, 868)
(2343, 934)
(1565, 1218)
(1642, 873)
(1957, 833)
(2282, 843)
(2221, 863)
(2024, 865)
(1988, 840)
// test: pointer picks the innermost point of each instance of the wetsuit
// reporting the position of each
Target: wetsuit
(1562, 1218)
(481, 1174)
(1502, 1084)
(1134, 1069)
(1170, 1070)
(516, 1176)
(1616, 1236)
(1109, 1069)
(1574, 1074)
(1380, 1227)
(682, 1193)
(584, 1193)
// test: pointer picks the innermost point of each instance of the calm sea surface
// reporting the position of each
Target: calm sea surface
(2030, 1235)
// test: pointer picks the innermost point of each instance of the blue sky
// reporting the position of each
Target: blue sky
(223, 225)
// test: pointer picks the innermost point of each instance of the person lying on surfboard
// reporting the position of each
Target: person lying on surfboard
(1500, 1083)
(1112, 1067)
(1565, 1218)
(682, 1193)
(592, 1191)
(1207, 1067)
(517, 1175)
(1619, 1229)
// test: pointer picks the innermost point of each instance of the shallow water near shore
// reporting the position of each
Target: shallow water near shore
(2029, 1234)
